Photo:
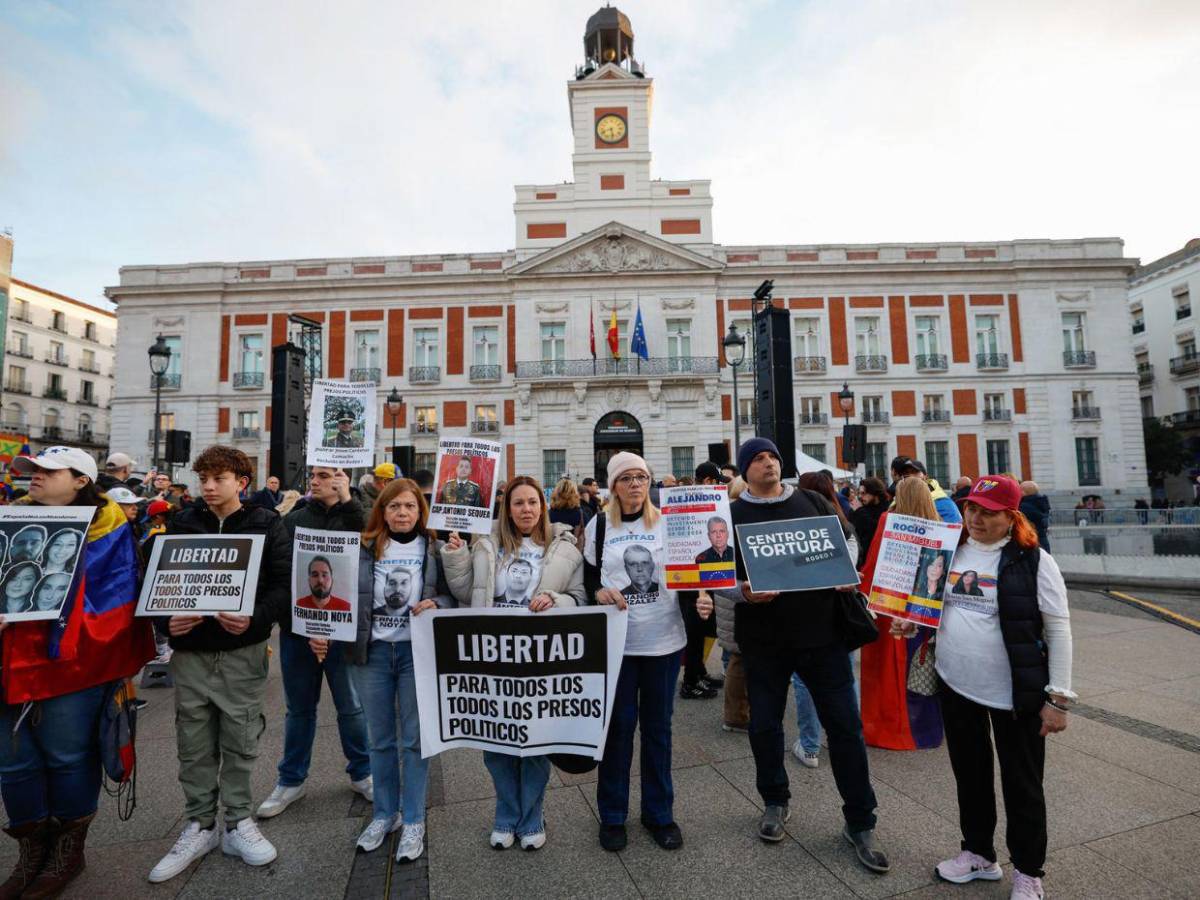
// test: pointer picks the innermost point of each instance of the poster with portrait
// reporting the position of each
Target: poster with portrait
(912, 569)
(464, 485)
(699, 537)
(341, 424)
(41, 553)
(325, 584)
(202, 575)
(517, 576)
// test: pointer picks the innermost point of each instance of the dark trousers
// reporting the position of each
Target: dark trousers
(827, 674)
(970, 728)
(697, 631)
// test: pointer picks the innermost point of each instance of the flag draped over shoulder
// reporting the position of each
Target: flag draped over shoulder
(637, 344)
(96, 639)
(614, 339)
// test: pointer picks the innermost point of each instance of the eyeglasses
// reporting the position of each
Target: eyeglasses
(633, 479)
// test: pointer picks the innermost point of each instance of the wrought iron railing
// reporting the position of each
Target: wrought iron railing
(872, 417)
(1182, 365)
(808, 364)
(369, 373)
(870, 363)
(169, 382)
(423, 428)
(485, 426)
(248, 379)
(1139, 327)
(1085, 412)
(1145, 373)
(1079, 359)
(88, 401)
(991, 360)
(485, 373)
(21, 351)
(58, 359)
(1187, 417)
(583, 368)
(1182, 312)
(935, 415)
(424, 374)
(246, 433)
(813, 418)
(997, 415)
(55, 393)
(931, 362)
(18, 387)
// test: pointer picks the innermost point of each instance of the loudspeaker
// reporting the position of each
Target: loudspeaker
(773, 374)
(288, 424)
(854, 445)
(178, 446)
(718, 453)
(403, 458)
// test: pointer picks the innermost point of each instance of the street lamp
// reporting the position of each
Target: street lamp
(735, 354)
(160, 360)
(394, 404)
(846, 402)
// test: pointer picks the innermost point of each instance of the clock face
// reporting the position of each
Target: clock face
(610, 128)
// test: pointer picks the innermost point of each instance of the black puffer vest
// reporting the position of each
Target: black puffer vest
(1021, 626)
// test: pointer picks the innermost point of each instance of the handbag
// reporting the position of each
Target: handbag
(856, 621)
(922, 674)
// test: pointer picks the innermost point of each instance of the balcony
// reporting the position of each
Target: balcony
(485, 373)
(14, 427)
(371, 373)
(747, 420)
(52, 433)
(635, 367)
(248, 380)
(169, 382)
(90, 336)
(813, 419)
(1182, 312)
(802, 364)
(18, 316)
(87, 401)
(245, 433)
(21, 351)
(423, 428)
(89, 367)
(1185, 364)
(997, 415)
(935, 415)
(58, 359)
(1085, 413)
(1139, 327)
(991, 362)
(1187, 417)
(1145, 373)
(1079, 359)
(485, 426)
(424, 374)
(870, 364)
(875, 417)
(94, 438)
(18, 387)
(931, 362)
(52, 393)
(60, 327)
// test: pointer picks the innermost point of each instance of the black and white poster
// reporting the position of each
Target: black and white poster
(41, 553)
(341, 424)
(517, 682)
(325, 584)
(202, 575)
(796, 554)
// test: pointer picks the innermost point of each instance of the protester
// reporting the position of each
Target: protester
(483, 576)
(219, 665)
(331, 508)
(288, 503)
(156, 486)
(269, 495)
(797, 632)
(866, 518)
(1035, 506)
(1005, 664)
(730, 471)
(371, 485)
(399, 574)
(962, 487)
(735, 716)
(57, 677)
(117, 469)
(894, 717)
(565, 506)
(626, 547)
(904, 467)
(589, 499)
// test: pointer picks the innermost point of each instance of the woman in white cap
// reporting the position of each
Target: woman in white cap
(624, 549)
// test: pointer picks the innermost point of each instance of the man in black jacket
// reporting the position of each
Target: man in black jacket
(1035, 506)
(220, 666)
(798, 631)
(330, 508)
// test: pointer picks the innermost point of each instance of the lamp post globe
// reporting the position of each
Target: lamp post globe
(735, 353)
(160, 361)
(394, 404)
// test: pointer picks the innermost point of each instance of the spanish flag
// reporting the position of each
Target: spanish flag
(614, 340)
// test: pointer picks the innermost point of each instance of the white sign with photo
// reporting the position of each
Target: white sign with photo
(325, 584)
(341, 424)
(464, 485)
(202, 575)
(41, 554)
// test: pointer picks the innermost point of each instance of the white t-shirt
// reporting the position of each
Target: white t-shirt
(517, 575)
(399, 577)
(971, 657)
(633, 564)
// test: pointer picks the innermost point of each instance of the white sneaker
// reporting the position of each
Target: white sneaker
(365, 787)
(534, 841)
(968, 866)
(279, 800)
(412, 843)
(500, 839)
(374, 834)
(1026, 887)
(194, 843)
(809, 760)
(248, 842)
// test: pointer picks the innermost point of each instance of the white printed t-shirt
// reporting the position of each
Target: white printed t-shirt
(399, 577)
(517, 575)
(971, 656)
(633, 564)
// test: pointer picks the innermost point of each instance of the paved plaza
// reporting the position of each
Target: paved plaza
(1123, 784)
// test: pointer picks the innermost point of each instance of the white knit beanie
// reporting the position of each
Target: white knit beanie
(622, 463)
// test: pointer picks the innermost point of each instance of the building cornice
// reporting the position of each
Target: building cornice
(57, 296)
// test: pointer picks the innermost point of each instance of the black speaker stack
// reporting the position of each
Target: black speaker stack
(288, 422)
(178, 449)
(774, 403)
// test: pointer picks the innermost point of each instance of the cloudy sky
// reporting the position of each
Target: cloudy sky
(149, 132)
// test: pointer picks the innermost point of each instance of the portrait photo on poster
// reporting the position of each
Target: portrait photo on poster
(516, 581)
(395, 597)
(341, 424)
(464, 485)
(325, 584)
(699, 545)
(41, 549)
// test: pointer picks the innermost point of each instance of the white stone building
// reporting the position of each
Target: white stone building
(995, 356)
(58, 369)
(1163, 327)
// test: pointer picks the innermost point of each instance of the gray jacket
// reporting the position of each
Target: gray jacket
(433, 587)
(471, 571)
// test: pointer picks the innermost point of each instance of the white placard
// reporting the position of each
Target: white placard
(341, 424)
(464, 485)
(698, 533)
(325, 584)
(202, 575)
(41, 559)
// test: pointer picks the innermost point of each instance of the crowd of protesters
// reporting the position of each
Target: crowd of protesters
(1003, 667)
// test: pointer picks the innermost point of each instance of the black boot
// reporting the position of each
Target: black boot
(31, 840)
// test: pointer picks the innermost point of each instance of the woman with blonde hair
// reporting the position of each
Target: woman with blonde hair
(565, 505)
(288, 501)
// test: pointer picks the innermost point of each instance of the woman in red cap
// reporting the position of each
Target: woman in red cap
(1004, 657)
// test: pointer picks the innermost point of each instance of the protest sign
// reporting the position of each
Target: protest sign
(325, 584)
(912, 568)
(41, 548)
(697, 528)
(202, 575)
(341, 424)
(464, 485)
(517, 682)
(796, 554)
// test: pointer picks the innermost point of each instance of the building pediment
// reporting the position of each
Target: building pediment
(615, 248)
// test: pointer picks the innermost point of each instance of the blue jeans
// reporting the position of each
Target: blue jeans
(302, 676)
(645, 694)
(388, 679)
(806, 717)
(51, 766)
(520, 789)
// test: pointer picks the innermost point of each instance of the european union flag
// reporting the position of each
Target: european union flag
(637, 343)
